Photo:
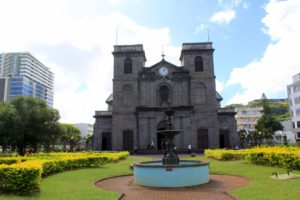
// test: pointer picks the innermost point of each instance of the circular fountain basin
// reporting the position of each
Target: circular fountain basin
(186, 173)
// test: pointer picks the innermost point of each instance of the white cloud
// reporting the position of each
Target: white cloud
(219, 85)
(201, 28)
(271, 73)
(223, 17)
(83, 80)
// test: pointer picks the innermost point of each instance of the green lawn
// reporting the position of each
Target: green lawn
(262, 186)
(78, 184)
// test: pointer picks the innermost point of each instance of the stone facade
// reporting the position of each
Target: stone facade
(141, 94)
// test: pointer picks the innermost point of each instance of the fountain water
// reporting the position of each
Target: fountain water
(171, 172)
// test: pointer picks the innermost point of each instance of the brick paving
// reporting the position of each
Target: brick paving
(216, 189)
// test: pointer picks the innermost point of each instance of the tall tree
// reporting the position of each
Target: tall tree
(29, 121)
(71, 135)
(6, 122)
(267, 125)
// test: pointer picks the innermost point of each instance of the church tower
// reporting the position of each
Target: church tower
(129, 60)
(197, 58)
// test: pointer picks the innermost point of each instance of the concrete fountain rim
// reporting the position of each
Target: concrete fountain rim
(192, 163)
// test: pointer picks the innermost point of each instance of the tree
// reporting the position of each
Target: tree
(27, 121)
(89, 141)
(267, 125)
(71, 134)
(6, 122)
(243, 135)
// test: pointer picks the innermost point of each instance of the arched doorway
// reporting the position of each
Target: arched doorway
(163, 125)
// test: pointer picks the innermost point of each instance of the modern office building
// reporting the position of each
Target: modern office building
(246, 118)
(141, 94)
(3, 88)
(26, 76)
(293, 91)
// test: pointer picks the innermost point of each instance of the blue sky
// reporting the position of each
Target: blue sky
(255, 43)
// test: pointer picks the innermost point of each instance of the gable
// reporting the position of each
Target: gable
(174, 71)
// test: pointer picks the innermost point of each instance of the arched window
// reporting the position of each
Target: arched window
(200, 93)
(198, 64)
(127, 95)
(164, 94)
(127, 66)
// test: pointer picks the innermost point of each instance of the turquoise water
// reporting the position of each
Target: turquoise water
(158, 163)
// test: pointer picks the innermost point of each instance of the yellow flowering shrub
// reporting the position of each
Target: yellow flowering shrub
(221, 154)
(20, 178)
(24, 175)
(288, 157)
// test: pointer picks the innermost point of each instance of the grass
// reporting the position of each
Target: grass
(78, 184)
(262, 186)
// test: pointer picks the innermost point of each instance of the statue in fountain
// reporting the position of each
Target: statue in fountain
(170, 154)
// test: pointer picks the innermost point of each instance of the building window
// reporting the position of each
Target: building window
(198, 64)
(200, 93)
(298, 112)
(298, 124)
(296, 100)
(127, 95)
(164, 94)
(127, 66)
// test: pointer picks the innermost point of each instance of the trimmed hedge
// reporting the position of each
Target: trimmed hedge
(25, 177)
(221, 154)
(20, 178)
(288, 157)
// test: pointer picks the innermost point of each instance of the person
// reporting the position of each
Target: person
(190, 148)
(135, 150)
(152, 145)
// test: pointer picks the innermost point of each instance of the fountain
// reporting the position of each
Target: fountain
(170, 171)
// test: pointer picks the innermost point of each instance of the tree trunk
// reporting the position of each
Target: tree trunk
(21, 149)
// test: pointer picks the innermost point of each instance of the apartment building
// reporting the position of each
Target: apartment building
(293, 91)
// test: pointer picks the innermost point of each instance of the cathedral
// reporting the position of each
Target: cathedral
(141, 94)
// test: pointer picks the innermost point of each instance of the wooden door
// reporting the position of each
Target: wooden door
(224, 138)
(106, 141)
(128, 140)
(202, 137)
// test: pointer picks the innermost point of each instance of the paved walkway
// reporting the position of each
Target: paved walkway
(216, 189)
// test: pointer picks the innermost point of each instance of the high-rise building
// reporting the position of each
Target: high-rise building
(294, 103)
(26, 76)
(1, 65)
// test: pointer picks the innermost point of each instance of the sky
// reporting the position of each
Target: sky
(256, 43)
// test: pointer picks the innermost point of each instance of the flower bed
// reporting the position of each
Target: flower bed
(222, 154)
(24, 175)
(288, 157)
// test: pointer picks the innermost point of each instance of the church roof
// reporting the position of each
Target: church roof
(165, 63)
(109, 99)
(219, 97)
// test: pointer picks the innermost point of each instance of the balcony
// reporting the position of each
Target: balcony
(103, 113)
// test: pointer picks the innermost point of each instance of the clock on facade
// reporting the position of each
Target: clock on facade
(163, 71)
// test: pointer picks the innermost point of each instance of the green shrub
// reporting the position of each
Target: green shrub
(22, 175)
(20, 179)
